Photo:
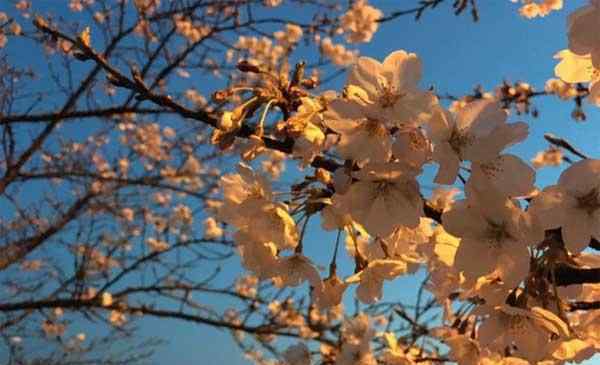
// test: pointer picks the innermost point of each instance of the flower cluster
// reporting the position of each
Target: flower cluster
(387, 129)
(360, 22)
(8, 27)
(337, 53)
(580, 63)
(533, 8)
(263, 52)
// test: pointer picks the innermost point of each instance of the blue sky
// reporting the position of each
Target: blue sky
(457, 54)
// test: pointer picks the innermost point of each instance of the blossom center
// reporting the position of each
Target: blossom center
(389, 96)
(383, 187)
(497, 233)
(417, 141)
(515, 324)
(491, 168)
(458, 141)
(589, 202)
(374, 128)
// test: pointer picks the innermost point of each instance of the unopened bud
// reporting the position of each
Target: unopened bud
(81, 56)
(310, 83)
(221, 95)
(40, 22)
(246, 66)
(323, 176)
(229, 121)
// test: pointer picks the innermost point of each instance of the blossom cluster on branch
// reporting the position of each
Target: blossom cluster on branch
(147, 208)
(507, 239)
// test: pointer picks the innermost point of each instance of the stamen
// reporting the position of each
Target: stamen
(458, 141)
(389, 96)
(589, 202)
(497, 233)
(374, 128)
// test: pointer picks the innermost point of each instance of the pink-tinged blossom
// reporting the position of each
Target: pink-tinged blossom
(584, 32)
(574, 68)
(412, 147)
(527, 333)
(477, 133)
(385, 197)
(267, 222)
(244, 185)
(496, 232)
(371, 278)
(379, 97)
(390, 90)
(297, 354)
(357, 334)
(362, 138)
(573, 204)
(257, 257)
(248, 207)
(330, 293)
(507, 174)
(296, 269)
(360, 22)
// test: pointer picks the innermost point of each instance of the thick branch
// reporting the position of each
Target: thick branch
(569, 275)
(583, 306)
(98, 113)
(161, 313)
(15, 251)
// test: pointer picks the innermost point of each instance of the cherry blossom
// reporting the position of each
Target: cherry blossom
(297, 355)
(294, 270)
(463, 349)
(477, 133)
(562, 89)
(412, 147)
(330, 292)
(390, 91)
(573, 204)
(584, 38)
(380, 96)
(526, 333)
(356, 349)
(306, 126)
(532, 9)
(258, 257)
(337, 53)
(494, 230)
(574, 68)
(371, 278)
(395, 354)
(262, 220)
(574, 350)
(507, 174)
(550, 157)
(244, 185)
(267, 222)
(360, 22)
(362, 138)
(385, 197)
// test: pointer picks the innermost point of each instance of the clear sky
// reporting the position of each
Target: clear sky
(457, 54)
